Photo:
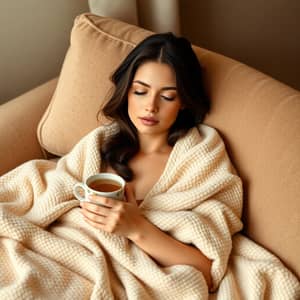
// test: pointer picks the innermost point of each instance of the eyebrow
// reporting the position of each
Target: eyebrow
(147, 85)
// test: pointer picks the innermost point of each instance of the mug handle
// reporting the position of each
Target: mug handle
(76, 191)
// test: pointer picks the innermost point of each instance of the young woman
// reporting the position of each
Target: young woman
(172, 235)
(158, 97)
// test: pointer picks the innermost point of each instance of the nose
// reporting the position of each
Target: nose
(152, 104)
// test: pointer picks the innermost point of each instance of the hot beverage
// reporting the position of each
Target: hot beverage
(102, 184)
(106, 186)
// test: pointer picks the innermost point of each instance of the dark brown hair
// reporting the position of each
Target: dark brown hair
(179, 55)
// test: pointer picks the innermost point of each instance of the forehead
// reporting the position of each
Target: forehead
(155, 73)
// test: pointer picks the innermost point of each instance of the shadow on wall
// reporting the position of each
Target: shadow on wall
(34, 39)
(253, 32)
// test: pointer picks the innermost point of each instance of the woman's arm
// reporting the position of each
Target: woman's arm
(168, 251)
(124, 218)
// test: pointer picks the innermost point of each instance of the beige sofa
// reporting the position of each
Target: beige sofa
(258, 117)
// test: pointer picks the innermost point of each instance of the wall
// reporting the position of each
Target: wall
(262, 34)
(34, 37)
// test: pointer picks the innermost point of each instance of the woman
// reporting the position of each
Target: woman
(171, 237)
(158, 97)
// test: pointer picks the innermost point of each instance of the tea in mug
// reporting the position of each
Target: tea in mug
(105, 186)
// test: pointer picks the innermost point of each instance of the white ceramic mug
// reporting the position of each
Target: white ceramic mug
(108, 185)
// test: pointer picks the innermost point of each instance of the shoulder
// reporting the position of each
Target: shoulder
(202, 143)
(202, 136)
(210, 135)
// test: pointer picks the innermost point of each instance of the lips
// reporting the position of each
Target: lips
(149, 121)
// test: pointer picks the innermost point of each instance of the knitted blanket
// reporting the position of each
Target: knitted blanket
(47, 250)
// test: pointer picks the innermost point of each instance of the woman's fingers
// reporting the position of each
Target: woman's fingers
(99, 214)
(108, 222)
(108, 202)
(94, 224)
(110, 215)
(93, 217)
(95, 208)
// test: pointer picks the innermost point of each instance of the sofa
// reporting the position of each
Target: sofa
(257, 116)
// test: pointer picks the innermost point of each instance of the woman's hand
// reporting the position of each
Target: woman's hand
(124, 218)
(114, 216)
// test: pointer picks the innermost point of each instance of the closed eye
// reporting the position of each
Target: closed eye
(168, 98)
(139, 93)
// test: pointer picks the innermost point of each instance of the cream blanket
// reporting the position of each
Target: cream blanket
(47, 250)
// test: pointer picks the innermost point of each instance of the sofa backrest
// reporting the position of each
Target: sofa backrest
(257, 116)
(259, 119)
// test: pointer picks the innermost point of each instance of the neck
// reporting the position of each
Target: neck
(152, 144)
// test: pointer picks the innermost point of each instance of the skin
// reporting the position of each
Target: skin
(153, 105)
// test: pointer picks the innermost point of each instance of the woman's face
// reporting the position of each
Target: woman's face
(153, 101)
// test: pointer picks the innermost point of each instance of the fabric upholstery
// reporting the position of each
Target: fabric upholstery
(97, 47)
(18, 122)
(257, 116)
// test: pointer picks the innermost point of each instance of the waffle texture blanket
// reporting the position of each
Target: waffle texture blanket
(47, 250)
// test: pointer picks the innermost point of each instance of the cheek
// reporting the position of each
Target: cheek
(132, 107)
(173, 112)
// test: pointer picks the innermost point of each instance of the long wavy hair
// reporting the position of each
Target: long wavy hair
(164, 48)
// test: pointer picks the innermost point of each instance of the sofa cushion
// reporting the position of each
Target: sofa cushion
(97, 47)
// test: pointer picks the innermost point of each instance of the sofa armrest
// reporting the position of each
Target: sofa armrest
(19, 119)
